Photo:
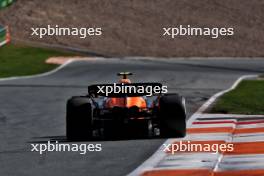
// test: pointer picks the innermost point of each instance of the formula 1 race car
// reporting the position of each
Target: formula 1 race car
(125, 110)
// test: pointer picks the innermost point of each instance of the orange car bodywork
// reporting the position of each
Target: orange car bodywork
(126, 101)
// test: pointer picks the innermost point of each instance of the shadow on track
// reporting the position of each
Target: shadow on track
(45, 139)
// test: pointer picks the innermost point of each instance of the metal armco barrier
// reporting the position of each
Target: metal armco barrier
(4, 35)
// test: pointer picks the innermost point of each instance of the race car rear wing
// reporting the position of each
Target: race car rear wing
(126, 90)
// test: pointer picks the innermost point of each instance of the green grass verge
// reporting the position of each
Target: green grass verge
(247, 98)
(19, 60)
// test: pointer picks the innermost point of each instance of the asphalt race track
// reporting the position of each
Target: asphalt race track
(33, 111)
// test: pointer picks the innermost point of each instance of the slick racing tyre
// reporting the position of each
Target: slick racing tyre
(172, 116)
(79, 118)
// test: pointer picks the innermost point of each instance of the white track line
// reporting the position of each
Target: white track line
(159, 154)
(214, 97)
(54, 70)
(38, 75)
(241, 116)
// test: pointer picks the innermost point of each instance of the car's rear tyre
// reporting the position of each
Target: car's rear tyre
(172, 116)
(79, 119)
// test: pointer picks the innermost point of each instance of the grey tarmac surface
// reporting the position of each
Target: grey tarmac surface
(33, 111)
